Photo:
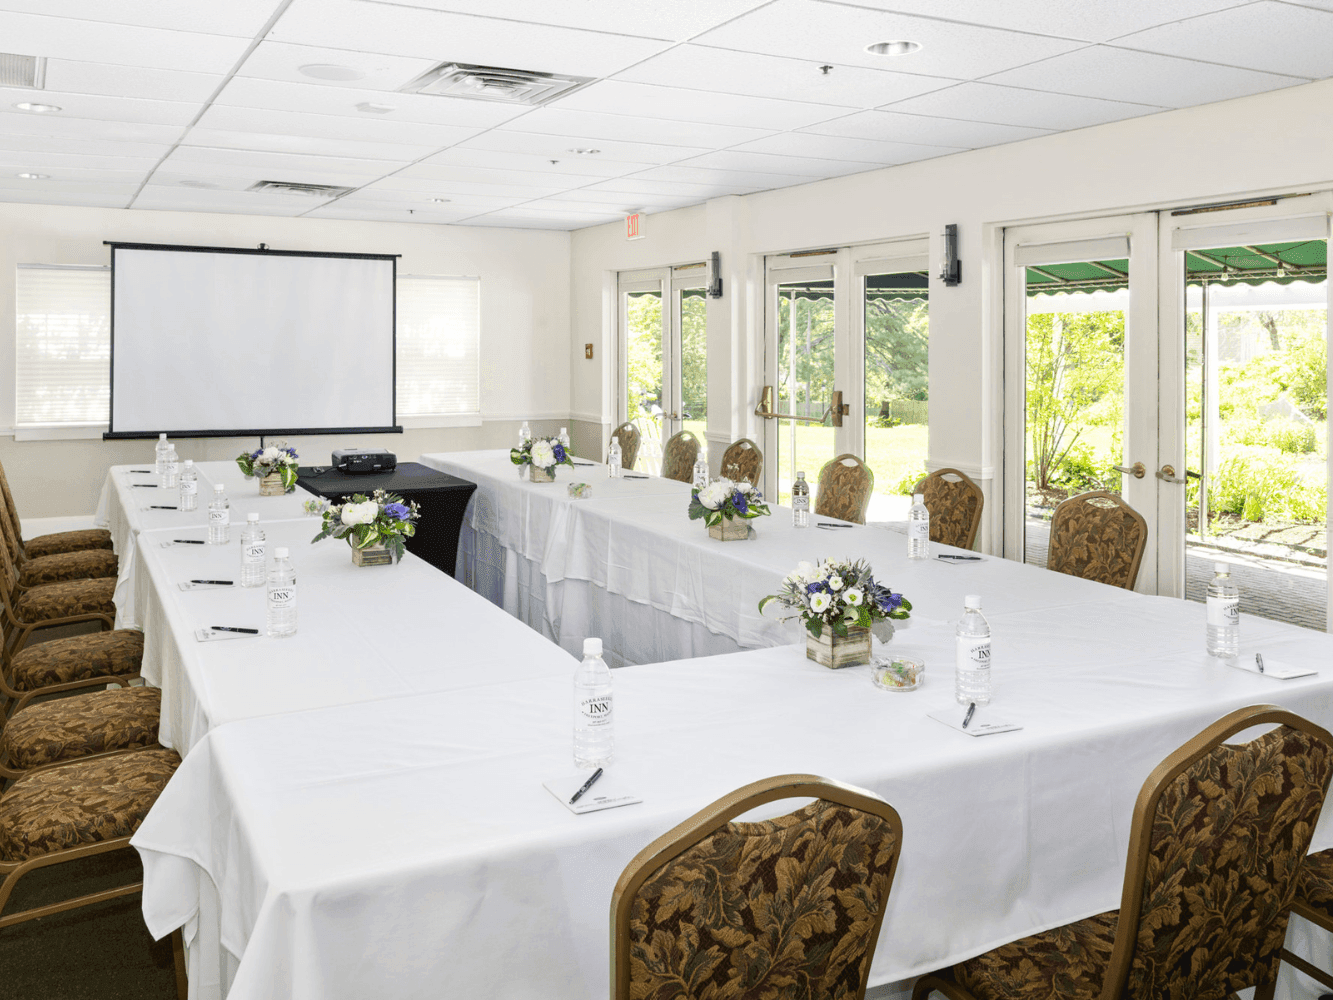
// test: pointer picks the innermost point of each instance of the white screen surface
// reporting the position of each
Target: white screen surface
(216, 342)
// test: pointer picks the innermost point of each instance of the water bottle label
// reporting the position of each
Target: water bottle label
(172, 468)
(596, 710)
(1223, 611)
(283, 597)
(800, 503)
(255, 552)
(973, 653)
(219, 516)
(189, 487)
(919, 531)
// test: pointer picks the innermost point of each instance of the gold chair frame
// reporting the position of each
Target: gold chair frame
(1140, 839)
(707, 821)
(1066, 509)
(965, 484)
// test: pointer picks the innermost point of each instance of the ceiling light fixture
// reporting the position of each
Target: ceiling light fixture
(330, 71)
(34, 177)
(375, 109)
(40, 109)
(893, 48)
(440, 201)
(583, 152)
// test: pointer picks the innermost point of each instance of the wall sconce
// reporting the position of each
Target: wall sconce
(715, 276)
(951, 268)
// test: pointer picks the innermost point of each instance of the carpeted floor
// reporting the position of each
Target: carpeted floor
(99, 952)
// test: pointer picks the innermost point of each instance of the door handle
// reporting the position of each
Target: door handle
(1167, 474)
(1136, 470)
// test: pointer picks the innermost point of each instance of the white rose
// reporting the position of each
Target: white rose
(360, 513)
(744, 487)
(853, 597)
(808, 571)
(835, 582)
(819, 602)
(543, 456)
(269, 455)
(715, 495)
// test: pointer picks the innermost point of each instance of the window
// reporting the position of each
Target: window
(62, 345)
(439, 335)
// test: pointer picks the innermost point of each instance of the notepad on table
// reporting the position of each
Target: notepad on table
(607, 793)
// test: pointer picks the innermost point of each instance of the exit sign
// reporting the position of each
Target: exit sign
(634, 226)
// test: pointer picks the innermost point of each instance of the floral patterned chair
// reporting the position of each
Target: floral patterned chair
(845, 487)
(33, 572)
(46, 545)
(1216, 846)
(707, 902)
(65, 729)
(1099, 537)
(955, 504)
(743, 462)
(1314, 902)
(679, 456)
(628, 436)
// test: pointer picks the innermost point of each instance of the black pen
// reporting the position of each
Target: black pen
(586, 785)
(188, 541)
(972, 707)
(945, 555)
(1259, 662)
(230, 628)
(158, 506)
(144, 486)
(635, 477)
(215, 583)
(831, 524)
(585, 463)
(146, 472)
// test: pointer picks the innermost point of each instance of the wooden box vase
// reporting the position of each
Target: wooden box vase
(730, 529)
(537, 475)
(834, 651)
(371, 555)
(271, 485)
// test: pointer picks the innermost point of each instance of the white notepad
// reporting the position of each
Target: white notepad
(1276, 669)
(607, 793)
(981, 725)
(190, 585)
(970, 561)
(207, 634)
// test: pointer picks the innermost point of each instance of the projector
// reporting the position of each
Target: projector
(360, 461)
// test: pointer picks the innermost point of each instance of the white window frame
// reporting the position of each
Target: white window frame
(470, 418)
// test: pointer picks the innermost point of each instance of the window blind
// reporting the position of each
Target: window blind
(439, 337)
(62, 345)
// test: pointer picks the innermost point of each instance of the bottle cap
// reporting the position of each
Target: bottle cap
(218, 487)
(252, 518)
(800, 475)
(280, 552)
(189, 463)
(1221, 567)
(592, 647)
(918, 498)
(972, 602)
(162, 436)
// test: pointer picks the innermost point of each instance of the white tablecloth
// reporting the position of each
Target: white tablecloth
(125, 509)
(406, 847)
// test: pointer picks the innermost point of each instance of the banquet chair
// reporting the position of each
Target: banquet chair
(90, 725)
(1314, 902)
(845, 487)
(706, 889)
(69, 664)
(955, 503)
(628, 436)
(60, 566)
(679, 456)
(1216, 842)
(46, 545)
(743, 462)
(1097, 536)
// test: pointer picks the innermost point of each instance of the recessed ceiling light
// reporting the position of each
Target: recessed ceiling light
(198, 184)
(330, 71)
(584, 152)
(893, 48)
(440, 201)
(40, 109)
(34, 177)
(375, 109)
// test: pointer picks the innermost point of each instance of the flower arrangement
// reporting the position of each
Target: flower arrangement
(724, 500)
(276, 459)
(382, 518)
(543, 453)
(837, 595)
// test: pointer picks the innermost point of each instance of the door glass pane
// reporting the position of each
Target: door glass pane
(805, 381)
(897, 331)
(692, 310)
(1257, 426)
(1075, 360)
(643, 377)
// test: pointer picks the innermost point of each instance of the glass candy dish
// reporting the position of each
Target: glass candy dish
(897, 673)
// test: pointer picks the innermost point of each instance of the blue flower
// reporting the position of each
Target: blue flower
(559, 451)
(816, 587)
(738, 501)
(254, 455)
(397, 511)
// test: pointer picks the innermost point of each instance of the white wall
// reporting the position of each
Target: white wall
(1272, 143)
(525, 329)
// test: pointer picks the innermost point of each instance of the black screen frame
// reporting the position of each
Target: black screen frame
(112, 434)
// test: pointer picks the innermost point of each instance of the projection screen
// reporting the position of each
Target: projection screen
(210, 341)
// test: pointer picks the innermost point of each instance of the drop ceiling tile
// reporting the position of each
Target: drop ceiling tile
(737, 179)
(674, 21)
(278, 143)
(237, 178)
(371, 213)
(486, 41)
(48, 162)
(809, 168)
(58, 126)
(986, 102)
(364, 128)
(58, 188)
(726, 71)
(618, 202)
(1143, 77)
(91, 147)
(1089, 22)
(517, 218)
(648, 100)
(568, 203)
(638, 186)
(237, 162)
(444, 173)
(184, 199)
(1295, 40)
(1319, 4)
(508, 139)
(88, 196)
(452, 189)
(106, 109)
(837, 34)
(283, 61)
(123, 45)
(108, 80)
(845, 148)
(628, 128)
(586, 166)
(403, 200)
(894, 127)
(234, 17)
(61, 173)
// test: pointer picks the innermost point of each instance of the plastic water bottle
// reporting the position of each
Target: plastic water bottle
(700, 476)
(918, 528)
(219, 517)
(614, 456)
(189, 487)
(972, 666)
(594, 733)
(524, 436)
(162, 447)
(281, 616)
(1223, 613)
(253, 550)
(800, 502)
(564, 438)
(171, 467)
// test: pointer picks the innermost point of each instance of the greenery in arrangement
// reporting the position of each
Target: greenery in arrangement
(837, 595)
(544, 453)
(724, 499)
(276, 458)
(382, 518)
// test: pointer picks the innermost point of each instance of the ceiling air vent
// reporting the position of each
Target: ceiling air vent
(22, 71)
(490, 83)
(314, 190)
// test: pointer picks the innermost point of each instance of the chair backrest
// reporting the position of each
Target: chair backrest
(799, 898)
(1218, 836)
(628, 436)
(955, 503)
(845, 486)
(13, 512)
(11, 542)
(743, 462)
(679, 455)
(1099, 537)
